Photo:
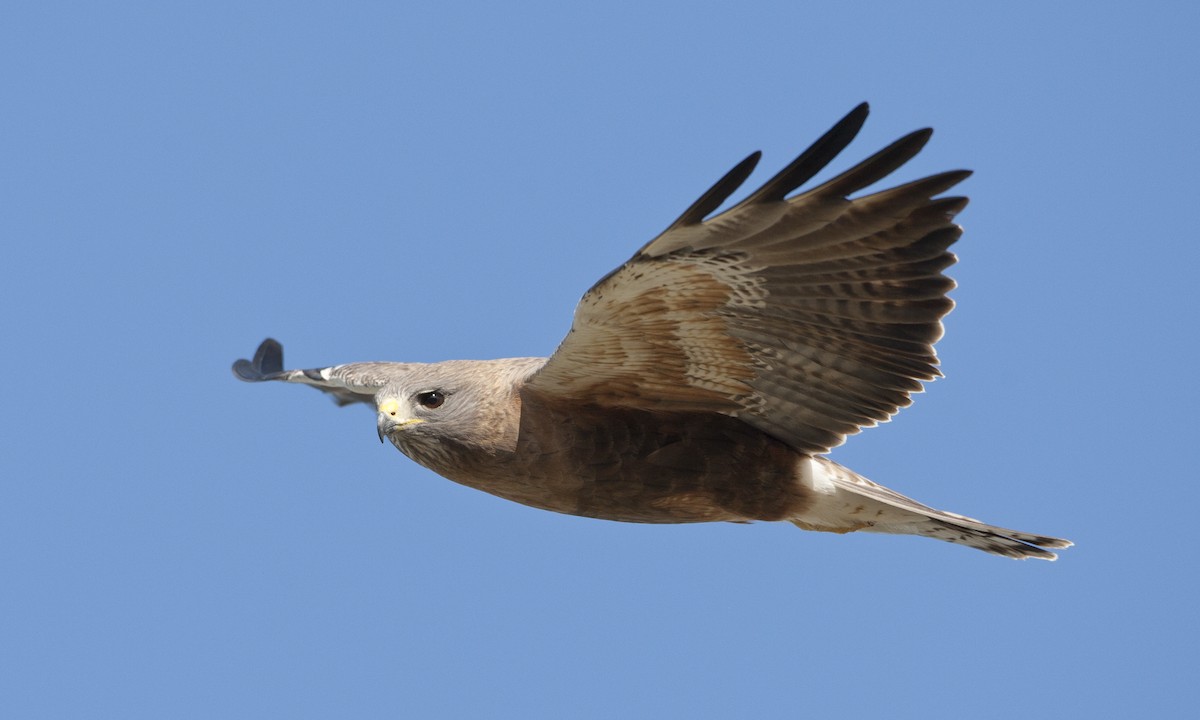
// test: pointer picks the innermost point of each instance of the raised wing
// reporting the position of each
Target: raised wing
(351, 383)
(808, 317)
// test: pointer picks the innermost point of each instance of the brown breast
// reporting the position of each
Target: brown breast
(639, 466)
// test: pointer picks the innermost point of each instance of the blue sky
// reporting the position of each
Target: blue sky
(385, 181)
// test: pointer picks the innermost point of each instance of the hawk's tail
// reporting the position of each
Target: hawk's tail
(845, 501)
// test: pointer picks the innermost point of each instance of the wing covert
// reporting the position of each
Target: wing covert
(809, 317)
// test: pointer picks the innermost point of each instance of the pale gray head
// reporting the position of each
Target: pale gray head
(466, 404)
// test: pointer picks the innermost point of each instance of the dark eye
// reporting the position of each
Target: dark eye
(432, 399)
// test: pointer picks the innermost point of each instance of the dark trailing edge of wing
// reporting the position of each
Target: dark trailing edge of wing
(266, 365)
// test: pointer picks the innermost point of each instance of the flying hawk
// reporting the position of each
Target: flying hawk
(706, 378)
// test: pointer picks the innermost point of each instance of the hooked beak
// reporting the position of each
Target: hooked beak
(390, 420)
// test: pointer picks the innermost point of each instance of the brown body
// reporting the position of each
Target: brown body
(624, 464)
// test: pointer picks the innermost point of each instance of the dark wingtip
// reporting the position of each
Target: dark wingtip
(266, 365)
(814, 159)
(718, 193)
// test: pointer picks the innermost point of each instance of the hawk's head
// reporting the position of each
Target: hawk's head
(463, 405)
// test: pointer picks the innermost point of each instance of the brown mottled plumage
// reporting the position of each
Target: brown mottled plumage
(702, 380)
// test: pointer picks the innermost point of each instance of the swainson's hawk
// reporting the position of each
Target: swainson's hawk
(706, 377)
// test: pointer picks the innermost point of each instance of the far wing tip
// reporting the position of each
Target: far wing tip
(266, 365)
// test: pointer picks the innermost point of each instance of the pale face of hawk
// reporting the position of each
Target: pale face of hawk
(462, 403)
(436, 406)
